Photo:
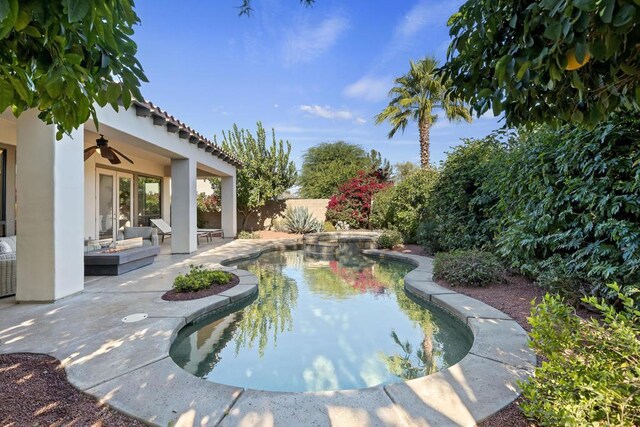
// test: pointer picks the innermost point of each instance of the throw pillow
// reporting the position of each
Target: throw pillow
(4, 247)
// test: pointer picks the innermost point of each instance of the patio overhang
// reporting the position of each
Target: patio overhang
(58, 190)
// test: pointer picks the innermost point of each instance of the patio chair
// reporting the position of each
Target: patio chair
(164, 229)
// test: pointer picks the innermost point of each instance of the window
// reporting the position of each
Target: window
(148, 199)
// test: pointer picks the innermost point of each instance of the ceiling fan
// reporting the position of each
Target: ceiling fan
(102, 147)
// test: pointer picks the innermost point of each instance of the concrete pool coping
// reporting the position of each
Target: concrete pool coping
(128, 366)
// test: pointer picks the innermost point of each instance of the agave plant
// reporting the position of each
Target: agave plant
(299, 220)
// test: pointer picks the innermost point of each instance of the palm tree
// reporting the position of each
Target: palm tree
(414, 96)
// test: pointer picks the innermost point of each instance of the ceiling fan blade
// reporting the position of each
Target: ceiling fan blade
(88, 152)
(121, 155)
(107, 153)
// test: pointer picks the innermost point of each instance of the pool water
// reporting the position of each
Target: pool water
(323, 324)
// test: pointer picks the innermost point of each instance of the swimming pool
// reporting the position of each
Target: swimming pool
(322, 323)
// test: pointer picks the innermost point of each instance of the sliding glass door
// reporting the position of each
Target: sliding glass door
(114, 202)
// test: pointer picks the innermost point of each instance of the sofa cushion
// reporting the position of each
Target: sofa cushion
(5, 248)
(133, 232)
(11, 242)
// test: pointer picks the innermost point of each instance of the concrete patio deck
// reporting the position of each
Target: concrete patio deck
(128, 366)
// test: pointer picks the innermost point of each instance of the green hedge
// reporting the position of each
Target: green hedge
(401, 207)
(458, 212)
(572, 197)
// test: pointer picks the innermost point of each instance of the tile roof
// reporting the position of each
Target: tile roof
(173, 125)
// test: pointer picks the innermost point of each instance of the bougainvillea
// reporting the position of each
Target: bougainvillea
(208, 203)
(352, 203)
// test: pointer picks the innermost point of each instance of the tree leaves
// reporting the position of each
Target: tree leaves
(6, 94)
(73, 54)
(523, 71)
(77, 9)
(414, 97)
(267, 171)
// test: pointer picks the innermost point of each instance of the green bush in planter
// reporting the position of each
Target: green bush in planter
(590, 374)
(468, 268)
(199, 278)
(389, 239)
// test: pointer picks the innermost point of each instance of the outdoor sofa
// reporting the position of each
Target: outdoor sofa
(7, 266)
(135, 247)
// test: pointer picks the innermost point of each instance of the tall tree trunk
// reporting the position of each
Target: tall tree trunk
(424, 143)
(245, 218)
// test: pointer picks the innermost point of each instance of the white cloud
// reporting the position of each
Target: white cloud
(423, 18)
(360, 121)
(326, 112)
(304, 43)
(275, 105)
(415, 20)
(369, 88)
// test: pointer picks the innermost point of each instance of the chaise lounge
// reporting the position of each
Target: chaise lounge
(164, 229)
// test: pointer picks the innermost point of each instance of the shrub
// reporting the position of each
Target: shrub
(591, 369)
(352, 203)
(328, 226)
(326, 166)
(300, 221)
(248, 235)
(198, 278)
(458, 213)
(277, 224)
(401, 206)
(469, 267)
(557, 278)
(389, 239)
(574, 194)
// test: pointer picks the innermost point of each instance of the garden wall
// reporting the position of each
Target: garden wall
(273, 209)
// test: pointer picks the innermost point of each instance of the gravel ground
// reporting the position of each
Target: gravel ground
(34, 391)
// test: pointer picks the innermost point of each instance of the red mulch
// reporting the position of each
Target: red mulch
(213, 290)
(513, 297)
(34, 391)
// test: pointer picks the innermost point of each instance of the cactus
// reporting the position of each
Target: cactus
(299, 220)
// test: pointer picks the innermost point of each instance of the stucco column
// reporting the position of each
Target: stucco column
(228, 202)
(183, 206)
(165, 198)
(50, 211)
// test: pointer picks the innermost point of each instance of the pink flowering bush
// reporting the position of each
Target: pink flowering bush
(352, 203)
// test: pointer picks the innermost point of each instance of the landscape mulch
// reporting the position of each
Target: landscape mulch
(34, 391)
(213, 290)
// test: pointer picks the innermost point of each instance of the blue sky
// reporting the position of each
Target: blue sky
(314, 74)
